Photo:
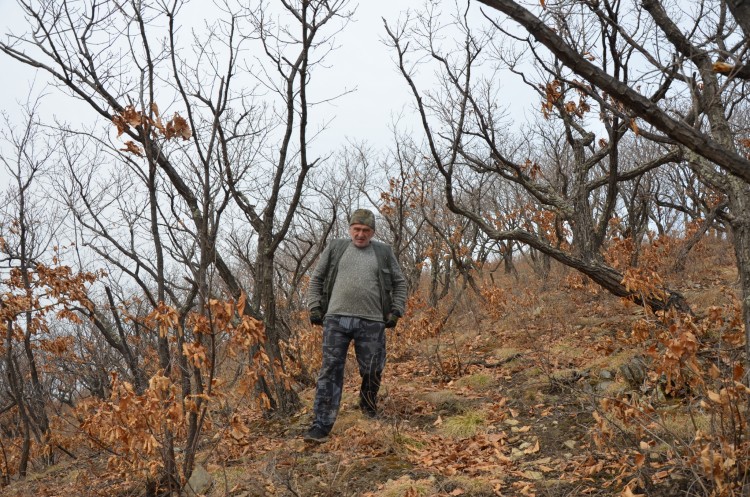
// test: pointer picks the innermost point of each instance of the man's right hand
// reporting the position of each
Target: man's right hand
(391, 321)
(316, 316)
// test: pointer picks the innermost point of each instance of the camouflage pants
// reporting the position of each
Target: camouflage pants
(369, 347)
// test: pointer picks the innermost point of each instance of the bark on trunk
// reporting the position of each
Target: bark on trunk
(434, 282)
(508, 266)
(14, 382)
(740, 206)
(284, 400)
(605, 276)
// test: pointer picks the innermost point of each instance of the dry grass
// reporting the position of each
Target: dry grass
(407, 487)
(464, 425)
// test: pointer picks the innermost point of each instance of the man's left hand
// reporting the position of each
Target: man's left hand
(316, 316)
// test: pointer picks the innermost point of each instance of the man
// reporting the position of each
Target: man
(356, 291)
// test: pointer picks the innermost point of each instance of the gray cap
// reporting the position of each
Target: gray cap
(362, 216)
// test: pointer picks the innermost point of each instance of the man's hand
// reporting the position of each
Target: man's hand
(316, 316)
(392, 320)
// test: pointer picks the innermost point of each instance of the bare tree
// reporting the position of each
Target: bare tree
(194, 130)
(294, 51)
(27, 232)
(572, 176)
(703, 62)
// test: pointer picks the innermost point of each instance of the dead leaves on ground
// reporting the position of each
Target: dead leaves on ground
(481, 454)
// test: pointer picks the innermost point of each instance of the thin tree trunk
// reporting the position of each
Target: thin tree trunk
(447, 280)
(36, 414)
(169, 474)
(508, 265)
(17, 392)
(681, 258)
(740, 204)
(434, 282)
(285, 400)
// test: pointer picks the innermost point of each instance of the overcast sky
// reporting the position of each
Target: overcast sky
(362, 62)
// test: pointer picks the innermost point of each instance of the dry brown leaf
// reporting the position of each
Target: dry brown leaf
(132, 148)
(495, 437)
(634, 127)
(503, 459)
(723, 67)
(533, 449)
(739, 370)
(661, 475)
(629, 493)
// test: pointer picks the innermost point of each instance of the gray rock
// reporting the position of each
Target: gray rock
(603, 386)
(199, 483)
(634, 372)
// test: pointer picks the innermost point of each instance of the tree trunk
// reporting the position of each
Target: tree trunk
(739, 203)
(284, 400)
(434, 282)
(508, 266)
(170, 477)
(679, 263)
(14, 382)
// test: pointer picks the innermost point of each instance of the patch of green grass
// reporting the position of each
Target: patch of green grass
(464, 425)
(403, 440)
(227, 477)
(564, 376)
(612, 362)
(590, 321)
(567, 350)
(479, 381)
(615, 389)
(533, 372)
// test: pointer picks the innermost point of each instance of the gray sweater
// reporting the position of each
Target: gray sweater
(356, 290)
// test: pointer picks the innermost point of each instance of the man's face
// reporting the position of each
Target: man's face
(361, 235)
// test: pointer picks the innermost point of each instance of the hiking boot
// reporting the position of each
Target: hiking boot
(315, 435)
(369, 411)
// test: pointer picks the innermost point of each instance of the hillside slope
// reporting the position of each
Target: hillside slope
(529, 392)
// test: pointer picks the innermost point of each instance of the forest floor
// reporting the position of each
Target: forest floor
(503, 401)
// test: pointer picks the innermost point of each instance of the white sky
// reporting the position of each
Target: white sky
(362, 62)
